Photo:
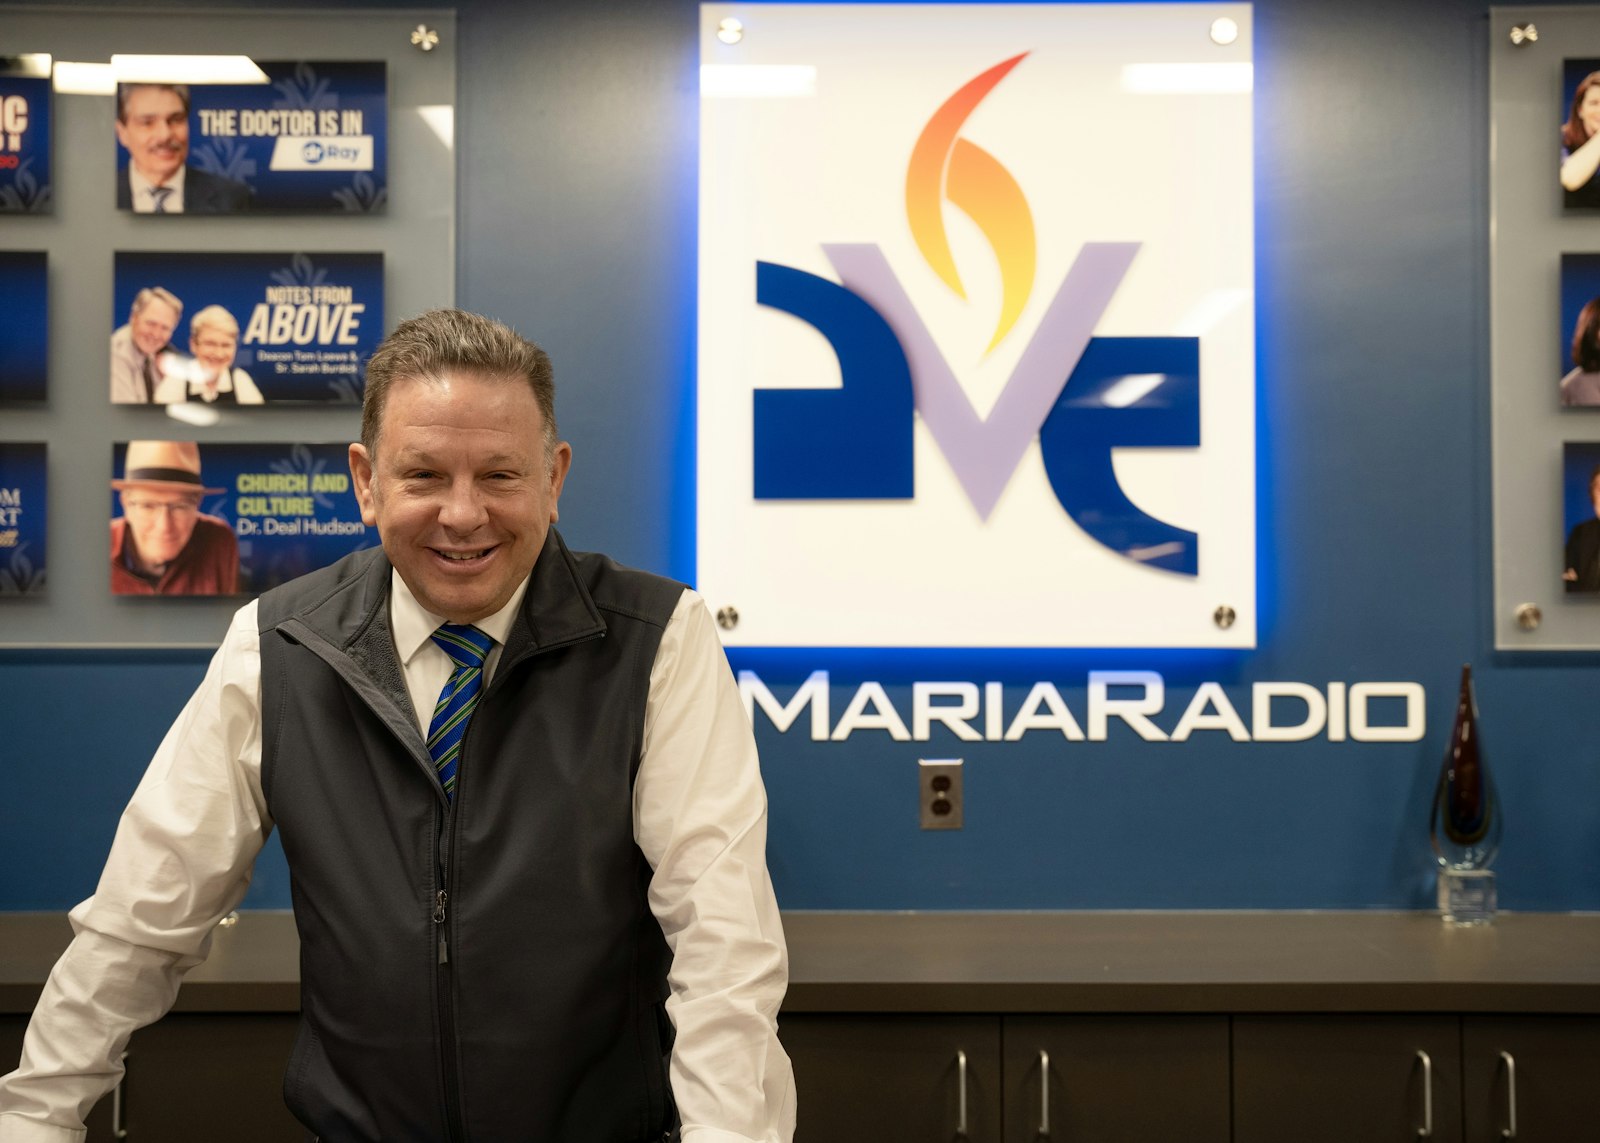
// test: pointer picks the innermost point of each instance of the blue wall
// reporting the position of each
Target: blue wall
(577, 138)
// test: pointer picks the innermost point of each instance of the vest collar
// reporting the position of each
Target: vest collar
(556, 610)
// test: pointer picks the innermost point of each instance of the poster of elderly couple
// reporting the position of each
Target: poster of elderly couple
(243, 329)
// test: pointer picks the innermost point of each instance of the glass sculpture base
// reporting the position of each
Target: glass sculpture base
(1467, 896)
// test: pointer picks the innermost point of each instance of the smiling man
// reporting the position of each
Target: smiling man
(153, 127)
(518, 795)
(137, 348)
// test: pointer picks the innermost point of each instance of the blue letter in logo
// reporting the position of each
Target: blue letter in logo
(852, 443)
(1126, 392)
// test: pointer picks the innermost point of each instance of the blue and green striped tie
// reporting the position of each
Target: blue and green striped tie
(467, 648)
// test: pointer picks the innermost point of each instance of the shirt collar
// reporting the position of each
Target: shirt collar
(413, 625)
(199, 388)
(139, 186)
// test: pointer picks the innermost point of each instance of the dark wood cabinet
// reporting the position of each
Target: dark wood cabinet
(1113, 1079)
(1546, 1066)
(1333, 1078)
(209, 1076)
(911, 1079)
(1116, 1078)
(1204, 1028)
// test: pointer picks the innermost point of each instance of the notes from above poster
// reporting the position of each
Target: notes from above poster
(244, 328)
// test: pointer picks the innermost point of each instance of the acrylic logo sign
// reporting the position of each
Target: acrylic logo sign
(1064, 390)
(956, 305)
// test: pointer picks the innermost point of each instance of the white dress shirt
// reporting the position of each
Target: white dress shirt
(127, 369)
(184, 849)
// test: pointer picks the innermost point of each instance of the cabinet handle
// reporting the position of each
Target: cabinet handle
(117, 1130)
(1426, 1130)
(1044, 1094)
(961, 1093)
(1510, 1132)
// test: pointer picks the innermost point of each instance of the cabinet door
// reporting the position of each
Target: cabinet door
(1116, 1079)
(1554, 1063)
(873, 1079)
(209, 1076)
(1335, 1079)
(12, 1026)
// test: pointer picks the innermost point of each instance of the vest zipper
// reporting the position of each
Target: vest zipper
(447, 1009)
(454, 1125)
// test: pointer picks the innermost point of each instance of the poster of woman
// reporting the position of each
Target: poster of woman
(1580, 134)
(1580, 330)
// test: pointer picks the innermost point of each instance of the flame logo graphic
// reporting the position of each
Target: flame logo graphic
(944, 165)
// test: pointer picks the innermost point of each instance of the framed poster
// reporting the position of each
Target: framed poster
(1580, 513)
(24, 325)
(22, 518)
(309, 137)
(244, 328)
(25, 114)
(228, 519)
(1580, 133)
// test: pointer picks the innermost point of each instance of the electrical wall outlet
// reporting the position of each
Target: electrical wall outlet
(939, 791)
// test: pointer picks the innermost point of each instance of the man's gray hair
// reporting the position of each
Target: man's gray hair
(155, 294)
(181, 90)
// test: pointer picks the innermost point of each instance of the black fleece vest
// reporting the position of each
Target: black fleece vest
(485, 971)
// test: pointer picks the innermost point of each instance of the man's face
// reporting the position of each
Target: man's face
(214, 348)
(461, 490)
(161, 521)
(155, 130)
(152, 326)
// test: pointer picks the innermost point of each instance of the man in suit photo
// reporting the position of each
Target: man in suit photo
(153, 125)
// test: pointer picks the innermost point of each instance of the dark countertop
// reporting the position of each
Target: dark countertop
(1033, 962)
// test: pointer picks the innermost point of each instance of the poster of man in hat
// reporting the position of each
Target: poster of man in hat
(162, 544)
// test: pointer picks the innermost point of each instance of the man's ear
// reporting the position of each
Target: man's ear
(361, 473)
(560, 463)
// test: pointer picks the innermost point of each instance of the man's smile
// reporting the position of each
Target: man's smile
(462, 557)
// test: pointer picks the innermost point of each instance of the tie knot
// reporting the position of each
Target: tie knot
(160, 195)
(465, 644)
